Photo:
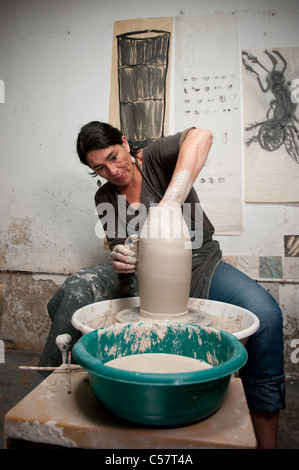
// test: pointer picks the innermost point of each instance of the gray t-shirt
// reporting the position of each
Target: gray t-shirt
(120, 220)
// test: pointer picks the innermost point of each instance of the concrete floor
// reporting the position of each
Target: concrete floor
(16, 384)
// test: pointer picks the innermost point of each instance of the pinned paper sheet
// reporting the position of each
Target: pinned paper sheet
(207, 95)
(139, 98)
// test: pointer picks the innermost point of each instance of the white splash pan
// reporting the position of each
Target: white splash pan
(236, 320)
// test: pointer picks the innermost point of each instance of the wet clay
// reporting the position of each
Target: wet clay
(159, 363)
(164, 264)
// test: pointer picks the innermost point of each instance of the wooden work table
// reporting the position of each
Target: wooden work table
(51, 417)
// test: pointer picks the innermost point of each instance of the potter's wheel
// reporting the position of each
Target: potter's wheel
(194, 317)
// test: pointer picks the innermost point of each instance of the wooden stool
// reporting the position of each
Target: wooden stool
(51, 417)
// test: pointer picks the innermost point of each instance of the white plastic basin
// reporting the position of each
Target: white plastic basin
(236, 320)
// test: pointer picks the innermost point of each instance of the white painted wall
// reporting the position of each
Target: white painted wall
(55, 61)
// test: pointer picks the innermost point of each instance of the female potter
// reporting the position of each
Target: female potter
(163, 174)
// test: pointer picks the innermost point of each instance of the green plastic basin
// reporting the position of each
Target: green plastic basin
(160, 399)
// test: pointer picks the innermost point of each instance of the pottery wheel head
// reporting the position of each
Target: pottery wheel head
(194, 317)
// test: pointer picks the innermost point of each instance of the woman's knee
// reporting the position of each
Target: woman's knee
(233, 286)
(266, 309)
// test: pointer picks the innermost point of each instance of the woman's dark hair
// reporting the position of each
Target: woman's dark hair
(96, 136)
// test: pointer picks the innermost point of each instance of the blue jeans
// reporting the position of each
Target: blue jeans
(263, 374)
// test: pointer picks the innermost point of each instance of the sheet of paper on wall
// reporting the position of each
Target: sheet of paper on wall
(271, 124)
(140, 78)
(207, 95)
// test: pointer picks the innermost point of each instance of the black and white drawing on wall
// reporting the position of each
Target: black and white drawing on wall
(143, 58)
(280, 126)
(271, 124)
(139, 98)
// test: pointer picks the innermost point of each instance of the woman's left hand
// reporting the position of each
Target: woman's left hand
(124, 257)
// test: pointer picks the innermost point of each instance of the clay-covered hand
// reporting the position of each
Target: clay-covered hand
(124, 257)
(178, 191)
